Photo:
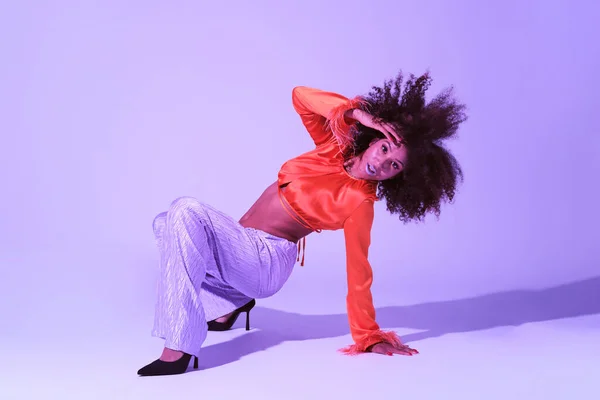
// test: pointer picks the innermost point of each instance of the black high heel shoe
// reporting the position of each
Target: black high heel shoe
(225, 326)
(160, 367)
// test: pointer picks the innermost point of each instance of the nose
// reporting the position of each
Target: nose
(383, 166)
(377, 163)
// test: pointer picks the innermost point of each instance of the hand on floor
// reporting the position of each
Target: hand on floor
(390, 350)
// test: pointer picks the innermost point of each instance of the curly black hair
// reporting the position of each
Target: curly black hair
(431, 173)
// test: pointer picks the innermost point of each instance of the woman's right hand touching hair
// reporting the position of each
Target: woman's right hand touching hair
(366, 119)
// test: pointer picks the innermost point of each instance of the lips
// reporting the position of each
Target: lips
(371, 171)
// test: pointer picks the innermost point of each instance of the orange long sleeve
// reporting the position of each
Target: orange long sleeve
(359, 301)
(321, 192)
(322, 113)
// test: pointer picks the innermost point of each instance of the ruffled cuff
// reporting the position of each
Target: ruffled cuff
(373, 338)
(339, 124)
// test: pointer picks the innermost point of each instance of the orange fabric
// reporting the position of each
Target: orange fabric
(325, 197)
(359, 301)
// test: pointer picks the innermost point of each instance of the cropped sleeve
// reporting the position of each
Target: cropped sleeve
(359, 301)
(322, 113)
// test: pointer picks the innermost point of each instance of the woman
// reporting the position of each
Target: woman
(385, 145)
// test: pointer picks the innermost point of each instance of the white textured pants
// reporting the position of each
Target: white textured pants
(209, 266)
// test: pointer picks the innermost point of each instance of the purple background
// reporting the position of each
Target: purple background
(110, 110)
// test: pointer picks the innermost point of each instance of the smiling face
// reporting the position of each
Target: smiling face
(380, 161)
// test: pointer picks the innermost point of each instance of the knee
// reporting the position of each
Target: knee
(184, 202)
(182, 207)
(159, 222)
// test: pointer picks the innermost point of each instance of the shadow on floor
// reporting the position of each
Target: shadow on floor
(510, 308)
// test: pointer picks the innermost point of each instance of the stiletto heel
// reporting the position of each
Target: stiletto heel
(225, 326)
(160, 367)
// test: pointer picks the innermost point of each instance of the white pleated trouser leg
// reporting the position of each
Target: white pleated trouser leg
(209, 266)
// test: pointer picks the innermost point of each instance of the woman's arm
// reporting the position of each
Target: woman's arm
(324, 114)
(365, 331)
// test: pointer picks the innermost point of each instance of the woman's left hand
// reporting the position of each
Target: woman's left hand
(389, 349)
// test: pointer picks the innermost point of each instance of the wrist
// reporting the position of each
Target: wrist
(353, 113)
(369, 349)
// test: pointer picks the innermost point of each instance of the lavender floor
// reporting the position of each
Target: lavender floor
(533, 353)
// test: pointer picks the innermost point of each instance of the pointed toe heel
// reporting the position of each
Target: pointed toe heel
(160, 367)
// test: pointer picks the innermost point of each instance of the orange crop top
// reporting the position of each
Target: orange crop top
(325, 197)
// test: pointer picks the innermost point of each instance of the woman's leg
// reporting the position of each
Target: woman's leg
(200, 248)
(182, 239)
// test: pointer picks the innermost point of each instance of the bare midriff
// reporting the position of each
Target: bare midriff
(269, 215)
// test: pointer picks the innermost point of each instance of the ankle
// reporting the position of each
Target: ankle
(224, 318)
(170, 355)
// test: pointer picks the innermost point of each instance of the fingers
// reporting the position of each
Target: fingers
(383, 129)
(389, 131)
(390, 350)
(405, 351)
(392, 132)
(387, 135)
